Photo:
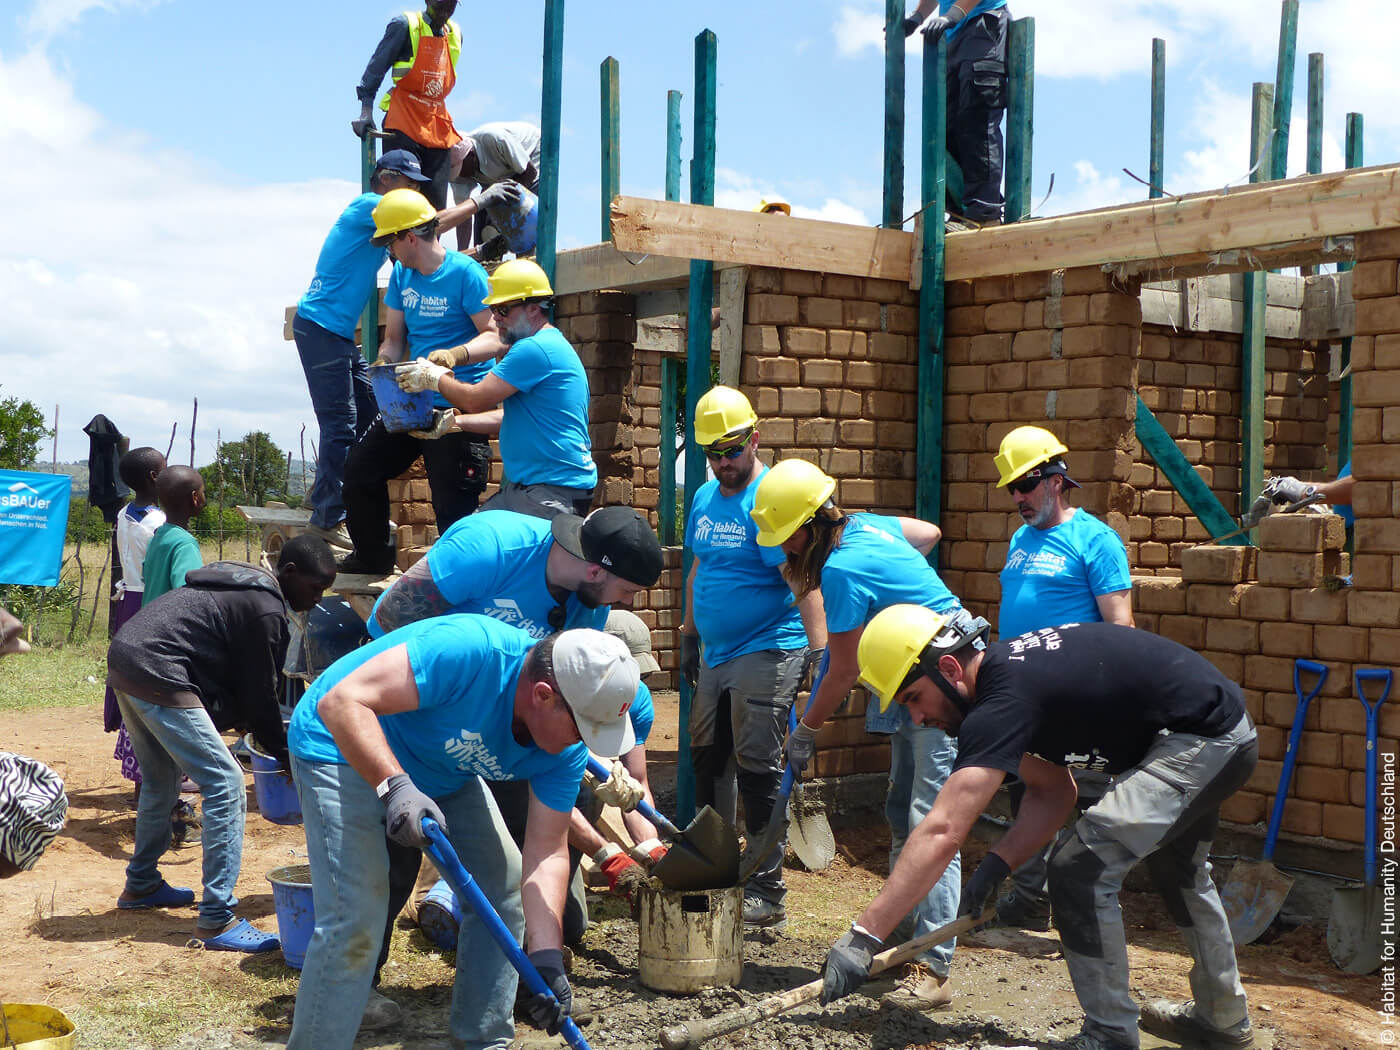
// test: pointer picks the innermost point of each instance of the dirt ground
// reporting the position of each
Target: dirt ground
(129, 981)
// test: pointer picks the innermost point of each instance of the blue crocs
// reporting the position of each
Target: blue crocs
(242, 936)
(163, 896)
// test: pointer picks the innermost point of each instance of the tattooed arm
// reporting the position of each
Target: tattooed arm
(413, 597)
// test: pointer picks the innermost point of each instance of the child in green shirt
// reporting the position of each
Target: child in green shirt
(173, 551)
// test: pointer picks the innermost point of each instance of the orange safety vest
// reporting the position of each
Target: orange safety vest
(416, 103)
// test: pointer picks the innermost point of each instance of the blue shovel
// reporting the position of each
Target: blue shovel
(440, 851)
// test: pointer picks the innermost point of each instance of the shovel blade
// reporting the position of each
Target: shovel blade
(809, 832)
(1354, 930)
(704, 857)
(1252, 898)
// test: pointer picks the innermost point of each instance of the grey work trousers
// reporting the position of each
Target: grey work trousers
(1164, 810)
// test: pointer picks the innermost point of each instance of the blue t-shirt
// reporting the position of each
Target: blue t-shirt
(874, 567)
(466, 668)
(493, 562)
(742, 603)
(642, 714)
(1053, 576)
(345, 270)
(438, 307)
(1344, 509)
(982, 6)
(544, 434)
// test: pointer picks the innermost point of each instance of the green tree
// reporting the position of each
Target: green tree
(22, 430)
(249, 471)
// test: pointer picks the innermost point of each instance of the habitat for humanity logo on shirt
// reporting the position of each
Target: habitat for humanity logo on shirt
(1041, 563)
(720, 534)
(472, 755)
(507, 610)
(424, 305)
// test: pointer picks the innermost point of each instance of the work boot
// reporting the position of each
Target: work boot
(920, 989)
(357, 563)
(1090, 1041)
(1015, 911)
(336, 537)
(1179, 1023)
(761, 914)
(380, 1012)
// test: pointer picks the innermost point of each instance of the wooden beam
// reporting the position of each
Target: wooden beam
(1020, 116)
(894, 115)
(610, 123)
(1313, 251)
(1158, 444)
(731, 324)
(1159, 117)
(1253, 376)
(602, 266)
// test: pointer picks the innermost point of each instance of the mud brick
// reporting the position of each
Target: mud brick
(1320, 784)
(1009, 375)
(1114, 308)
(1029, 404)
(1232, 636)
(1373, 608)
(1005, 317)
(418, 489)
(1231, 665)
(1243, 807)
(902, 320)
(841, 732)
(995, 289)
(856, 492)
(858, 314)
(1035, 285)
(867, 375)
(1157, 595)
(959, 293)
(843, 463)
(1264, 779)
(1103, 341)
(1275, 673)
(1152, 555)
(1214, 564)
(1385, 647)
(778, 371)
(818, 312)
(845, 344)
(1288, 569)
(1302, 532)
(1321, 749)
(966, 320)
(398, 491)
(801, 282)
(1347, 644)
(1343, 823)
(965, 379)
(802, 342)
(1286, 639)
(771, 309)
(981, 587)
(1222, 601)
(1258, 602)
(1273, 743)
(1189, 631)
(1318, 605)
(1167, 530)
(966, 497)
(1035, 314)
(1101, 371)
(882, 291)
(1378, 316)
(1031, 345)
(1302, 817)
(763, 339)
(816, 432)
(989, 526)
(885, 346)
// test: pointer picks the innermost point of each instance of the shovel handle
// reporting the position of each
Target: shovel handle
(691, 1034)
(1290, 757)
(440, 851)
(645, 808)
(1373, 720)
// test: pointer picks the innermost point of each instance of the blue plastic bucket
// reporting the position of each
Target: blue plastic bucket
(398, 410)
(440, 915)
(296, 912)
(519, 224)
(277, 797)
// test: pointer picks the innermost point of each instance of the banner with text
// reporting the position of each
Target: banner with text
(33, 523)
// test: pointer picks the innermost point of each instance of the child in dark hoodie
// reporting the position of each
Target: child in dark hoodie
(203, 658)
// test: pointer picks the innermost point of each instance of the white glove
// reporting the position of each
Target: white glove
(419, 375)
(446, 356)
(1284, 490)
(444, 423)
(620, 789)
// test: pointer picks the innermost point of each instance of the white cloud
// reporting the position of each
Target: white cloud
(735, 189)
(1088, 189)
(47, 18)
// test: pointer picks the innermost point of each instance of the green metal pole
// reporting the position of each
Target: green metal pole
(611, 123)
(1253, 378)
(929, 455)
(697, 359)
(551, 101)
(1283, 87)
(666, 482)
(1165, 452)
(1020, 116)
(369, 319)
(894, 115)
(673, 145)
(1159, 118)
(1315, 95)
(1354, 154)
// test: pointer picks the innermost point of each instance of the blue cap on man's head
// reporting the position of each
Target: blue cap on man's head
(404, 162)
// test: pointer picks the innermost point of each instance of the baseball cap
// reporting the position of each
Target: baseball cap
(33, 809)
(599, 680)
(617, 538)
(1052, 466)
(635, 635)
(404, 162)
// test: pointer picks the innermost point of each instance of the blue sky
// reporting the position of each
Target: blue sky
(176, 163)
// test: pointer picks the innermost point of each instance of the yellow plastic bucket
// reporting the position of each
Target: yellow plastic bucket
(33, 1027)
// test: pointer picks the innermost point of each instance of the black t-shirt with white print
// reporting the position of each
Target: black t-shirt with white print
(1090, 696)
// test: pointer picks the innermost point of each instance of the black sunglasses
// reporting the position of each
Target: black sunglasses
(732, 452)
(1025, 486)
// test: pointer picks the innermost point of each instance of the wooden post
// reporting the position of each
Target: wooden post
(551, 102)
(1165, 452)
(1156, 149)
(1283, 87)
(611, 122)
(1020, 116)
(1315, 95)
(929, 455)
(673, 145)
(666, 467)
(369, 319)
(697, 370)
(1354, 154)
(894, 115)
(1253, 378)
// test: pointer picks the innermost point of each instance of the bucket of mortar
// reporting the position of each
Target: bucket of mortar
(31, 1027)
(687, 941)
(296, 916)
(277, 797)
(399, 411)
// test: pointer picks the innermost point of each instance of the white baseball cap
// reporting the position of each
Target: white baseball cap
(599, 679)
(635, 634)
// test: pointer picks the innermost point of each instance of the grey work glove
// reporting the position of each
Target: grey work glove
(444, 423)
(503, 194)
(546, 1011)
(937, 26)
(847, 964)
(365, 122)
(801, 746)
(912, 23)
(690, 659)
(1285, 490)
(980, 893)
(404, 809)
(810, 664)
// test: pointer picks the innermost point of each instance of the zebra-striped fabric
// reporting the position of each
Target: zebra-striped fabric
(33, 808)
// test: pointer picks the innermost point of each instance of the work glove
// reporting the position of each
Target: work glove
(690, 659)
(810, 664)
(623, 873)
(404, 809)
(447, 357)
(444, 423)
(620, 789)
(1285, 490)
(504, 194)
(548, 1012)
(848, 964)
(980, 893)
(801, 746)
(937, 26)
(419, 375)
(912, 23)
(362, 126)
(649, 852)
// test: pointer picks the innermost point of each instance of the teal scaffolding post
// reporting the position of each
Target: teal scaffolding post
(1253, 376)
(1157, 147)
(1354, 153)
(933, 190)
(1020, 117)
(609, 125)
(670, 367)
(551, 101)
(369, 318)
(1283, 88)
(893, 214)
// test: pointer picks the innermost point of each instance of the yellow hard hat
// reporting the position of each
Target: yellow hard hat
(1024, 448)
(517, 280)
(722, 412)
(787, 497)
(901, 636)
(400, 210)
(774, 203)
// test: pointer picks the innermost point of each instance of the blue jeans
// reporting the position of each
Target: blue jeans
(168, 741)
(338, 380)
(920, 760)
(350, 886)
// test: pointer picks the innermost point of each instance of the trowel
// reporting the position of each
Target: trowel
(705, 856)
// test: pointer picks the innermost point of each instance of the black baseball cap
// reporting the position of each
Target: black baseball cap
(617, 538)
(1051, 466)
(404, 162)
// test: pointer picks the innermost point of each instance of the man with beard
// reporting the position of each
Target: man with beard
(541, 386)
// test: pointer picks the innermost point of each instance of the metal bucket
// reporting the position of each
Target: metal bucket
(691, 940)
